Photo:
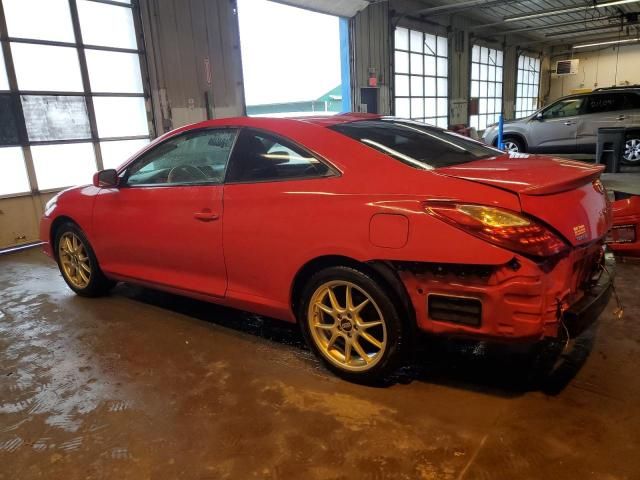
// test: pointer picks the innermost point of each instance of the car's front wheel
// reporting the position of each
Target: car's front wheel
(78, 263)
(352, 324)
(632, 150)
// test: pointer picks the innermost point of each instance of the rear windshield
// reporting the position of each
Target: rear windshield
(416, 144)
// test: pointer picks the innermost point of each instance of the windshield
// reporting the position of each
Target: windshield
(416, 144)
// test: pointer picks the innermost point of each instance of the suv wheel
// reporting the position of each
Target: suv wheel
(513, 145)
(632, 150)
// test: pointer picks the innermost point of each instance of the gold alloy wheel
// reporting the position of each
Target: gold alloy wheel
(74, 260)
(351, 332)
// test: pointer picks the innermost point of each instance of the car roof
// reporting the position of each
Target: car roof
(266, 122)
(605, 91)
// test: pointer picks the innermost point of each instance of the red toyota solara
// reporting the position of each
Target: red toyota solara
(363, 229)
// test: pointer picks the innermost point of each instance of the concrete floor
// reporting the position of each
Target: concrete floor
(147, 385)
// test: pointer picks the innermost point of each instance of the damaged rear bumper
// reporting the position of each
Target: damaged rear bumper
(582, 314)
(519, 302)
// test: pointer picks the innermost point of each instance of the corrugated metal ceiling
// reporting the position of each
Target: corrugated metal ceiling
(555, 27)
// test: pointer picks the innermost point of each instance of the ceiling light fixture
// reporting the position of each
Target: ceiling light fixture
(609, 42)
(545, 13)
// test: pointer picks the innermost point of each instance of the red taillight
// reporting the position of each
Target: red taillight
(504, 228)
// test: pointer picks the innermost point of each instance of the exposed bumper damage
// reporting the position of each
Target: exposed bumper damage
(519, 301)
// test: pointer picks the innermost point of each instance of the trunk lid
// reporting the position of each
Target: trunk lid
(565, 194)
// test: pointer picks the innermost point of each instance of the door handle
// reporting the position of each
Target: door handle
(206, 215)
(569, 122)
(621, 117)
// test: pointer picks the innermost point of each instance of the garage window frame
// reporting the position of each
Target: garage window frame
(86, 92)
(439, 77)
(527, 84)
(496, 63)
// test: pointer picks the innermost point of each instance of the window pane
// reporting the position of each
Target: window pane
(13, 173)
(442, 46)
(39, 19)
(417, 86)
(115, 153)
(442, 87)
(402, 39)
(121, 116)
(55, 118)
(106, 25)
(430, 86)
(401, 62)
(195, 157)
(417, 108)
(430, 107)
(4, 82)
(64, 165)
(402, 86)
(408, 143)
(259, 157)
(8, 121)
(402, 108)
(430, 44)
(442, 67)
(47, 68)
(416, 63)
(102, 66)
(416, 41)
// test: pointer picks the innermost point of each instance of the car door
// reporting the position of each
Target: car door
(163, 224)
(556, 129)
(266, 201)
(601, 110)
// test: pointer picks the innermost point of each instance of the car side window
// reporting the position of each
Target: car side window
(260, 157)
(603, 103)
(198, 157)
(569, 107)
(631, 101)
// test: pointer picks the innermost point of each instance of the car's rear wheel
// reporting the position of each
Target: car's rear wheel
(352, 324)
(78, 263)
(513, 145)
(632, 150)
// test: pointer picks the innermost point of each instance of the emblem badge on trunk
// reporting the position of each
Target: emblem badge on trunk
(580, 231)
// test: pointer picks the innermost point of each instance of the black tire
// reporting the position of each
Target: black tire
(98, 284)
(519, 144)
(396, 332)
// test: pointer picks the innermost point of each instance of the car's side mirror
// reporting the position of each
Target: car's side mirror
(539, 117)
(106, 178)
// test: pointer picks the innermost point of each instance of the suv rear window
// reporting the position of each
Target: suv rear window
(416, 144)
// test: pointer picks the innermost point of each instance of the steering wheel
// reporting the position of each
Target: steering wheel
(185, 173)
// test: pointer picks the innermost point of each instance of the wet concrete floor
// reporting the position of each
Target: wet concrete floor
(142, 385)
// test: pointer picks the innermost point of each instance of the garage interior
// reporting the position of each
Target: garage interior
(145, 384)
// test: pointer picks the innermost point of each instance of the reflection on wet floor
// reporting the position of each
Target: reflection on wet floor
(143, 384)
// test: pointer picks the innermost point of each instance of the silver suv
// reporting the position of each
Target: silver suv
(570, 125)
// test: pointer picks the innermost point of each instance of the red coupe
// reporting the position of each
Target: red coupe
(363, 229)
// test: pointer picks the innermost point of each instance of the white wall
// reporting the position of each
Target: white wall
(599, 68)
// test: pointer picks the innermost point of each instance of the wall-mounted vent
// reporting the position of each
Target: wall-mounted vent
(567, 67)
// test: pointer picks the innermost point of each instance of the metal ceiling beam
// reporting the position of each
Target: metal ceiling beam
(561, 24)
(582, 30)
(460, 6)
(603, 36)
(551, 11)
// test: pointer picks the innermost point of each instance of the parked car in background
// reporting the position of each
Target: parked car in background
(363, 229)
(570, 125)
(624, 192)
